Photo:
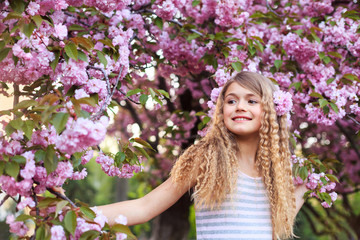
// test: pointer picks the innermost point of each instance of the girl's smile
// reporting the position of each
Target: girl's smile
(242, 110)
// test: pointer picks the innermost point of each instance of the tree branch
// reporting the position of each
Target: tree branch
(272, 10)
(59, 195)
(16, 94)
(4, 199)
(176, 22)
(349, 138)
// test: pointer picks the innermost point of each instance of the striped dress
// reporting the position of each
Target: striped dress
(246, 216)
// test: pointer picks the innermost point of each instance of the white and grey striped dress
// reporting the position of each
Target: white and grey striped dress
(245, 216)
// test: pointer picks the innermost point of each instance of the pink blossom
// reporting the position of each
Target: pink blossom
(81, 134)
(80, 93)
(333, 196)
(326, 205)
(25, 202)
(79, 175)
(19, 228)
(121, 219)
(283, 102)
(33, 8)
(87, 156)
(215, 94)
(60, 31)
(29, 170)
(57, 233)
(221, 77)
(165, 9)
(13, 148)
(17, 135)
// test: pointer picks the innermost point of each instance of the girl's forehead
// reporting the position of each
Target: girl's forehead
(236, 89)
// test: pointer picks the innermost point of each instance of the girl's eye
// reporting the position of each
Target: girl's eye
(252, 101)
(231, 101)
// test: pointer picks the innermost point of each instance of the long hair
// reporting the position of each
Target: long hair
(213, 162)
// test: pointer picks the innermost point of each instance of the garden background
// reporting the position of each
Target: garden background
(131, 84)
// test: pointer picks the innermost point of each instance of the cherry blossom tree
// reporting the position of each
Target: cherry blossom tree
(74, 60)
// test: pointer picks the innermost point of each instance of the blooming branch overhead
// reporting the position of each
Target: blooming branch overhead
(161, 65)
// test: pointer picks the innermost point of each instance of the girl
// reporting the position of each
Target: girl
(240, 171)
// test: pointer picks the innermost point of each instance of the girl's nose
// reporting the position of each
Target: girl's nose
(241, 106)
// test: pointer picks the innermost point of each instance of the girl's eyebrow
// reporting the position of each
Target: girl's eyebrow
(246, 95)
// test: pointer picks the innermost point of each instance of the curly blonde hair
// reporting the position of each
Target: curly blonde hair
(213, 165)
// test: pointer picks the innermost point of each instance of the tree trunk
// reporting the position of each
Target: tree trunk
(173, 224)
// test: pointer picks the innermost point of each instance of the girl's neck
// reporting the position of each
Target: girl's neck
(246, 155)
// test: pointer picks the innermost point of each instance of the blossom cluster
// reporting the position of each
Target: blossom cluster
(318, 183)
(283, 102)
(109, 166)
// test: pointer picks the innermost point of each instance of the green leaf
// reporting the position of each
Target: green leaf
(70, 222)
(75, 27)
(51, 160)
(143, 143)
(59, 206)
(12, 169)
(119, 158)
(334, 107)
(159, 23)
(2, 167)
(83, 42)
(82, 56)
(90, 235)
(133, 92)
(17, 5)
(25, 104)
(326, 110)
(326, 59)
(321, 55)
(40, 155)
(48, 201)
(28, 128)
(54, 63)
(278, 64)
(237, 66)
(330, 80)
(37, 19)
(143, 99)
(195, 3)
(315, 94)
(28, 29)
(40, 233)
(303, 173)
(313, 34)
(119, 228)
(3, 53)
(164, 93)
(335, 54)
(297, 85)
(88, 212)
(142, 151)
(192, 36)
(332, 178)
(23, 217)
(87, 100)
(19, 159)
(323, 102)
(17, 123)
(71, 50)
(102, 58)
(351, 77)
(9, 130)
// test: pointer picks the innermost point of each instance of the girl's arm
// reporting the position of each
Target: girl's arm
(299, 193)
(143, 209)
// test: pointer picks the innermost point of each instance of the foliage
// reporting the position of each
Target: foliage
(72, 60)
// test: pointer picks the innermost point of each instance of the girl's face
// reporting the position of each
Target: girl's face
(242, 111)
